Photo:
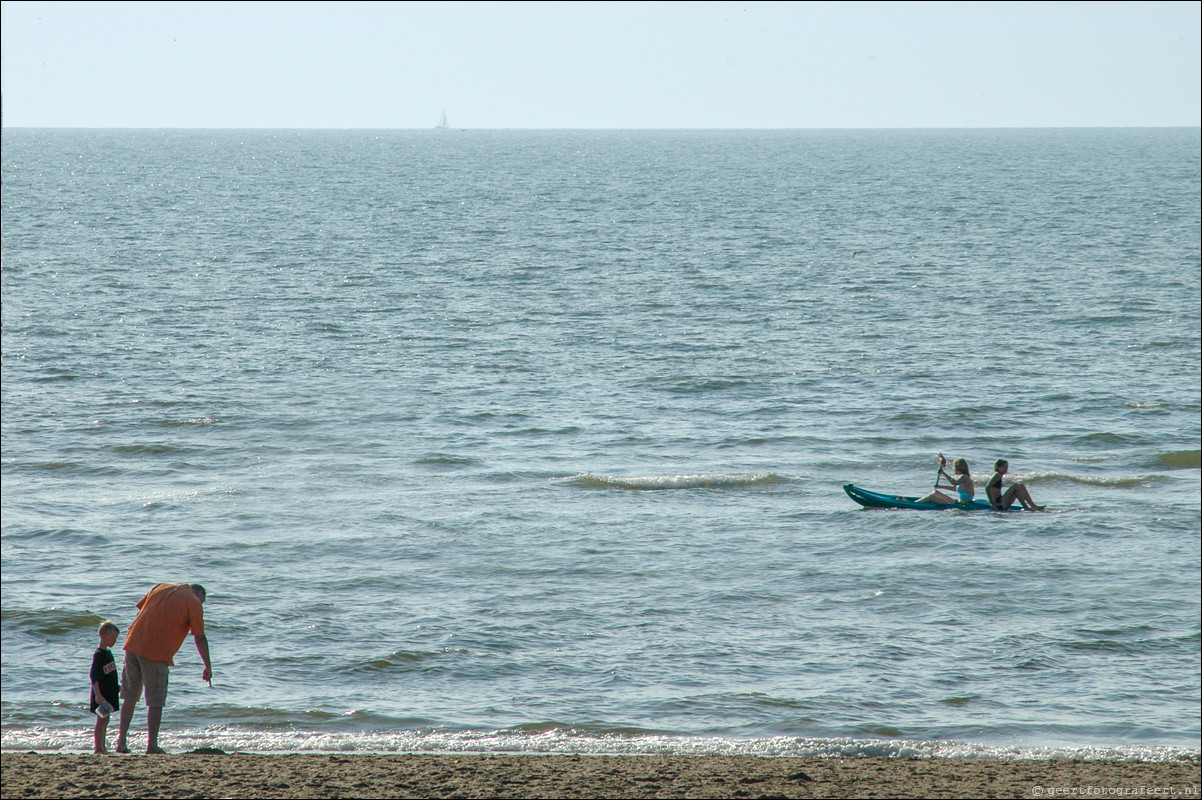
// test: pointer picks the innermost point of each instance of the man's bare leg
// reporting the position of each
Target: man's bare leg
(127, 715)
(154, 718)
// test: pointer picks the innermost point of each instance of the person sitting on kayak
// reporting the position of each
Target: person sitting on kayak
(1001, 501)
(962, 483)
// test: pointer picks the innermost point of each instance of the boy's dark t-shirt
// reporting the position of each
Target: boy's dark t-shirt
(104, 670)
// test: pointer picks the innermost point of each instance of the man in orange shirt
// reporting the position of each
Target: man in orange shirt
(165, 616)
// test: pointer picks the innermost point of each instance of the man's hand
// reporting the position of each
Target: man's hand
(202, 647)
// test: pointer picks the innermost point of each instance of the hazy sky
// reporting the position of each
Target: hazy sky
(600, 65)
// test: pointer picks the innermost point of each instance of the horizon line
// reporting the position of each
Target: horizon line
(699, 129)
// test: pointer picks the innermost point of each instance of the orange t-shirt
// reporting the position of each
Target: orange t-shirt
(166, 614)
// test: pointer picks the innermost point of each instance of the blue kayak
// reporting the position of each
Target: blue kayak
(877, 500)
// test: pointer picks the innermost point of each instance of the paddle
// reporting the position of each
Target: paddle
(939, 474)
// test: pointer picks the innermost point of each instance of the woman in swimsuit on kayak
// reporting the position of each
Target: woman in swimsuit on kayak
(962, 483)
(1001, 501)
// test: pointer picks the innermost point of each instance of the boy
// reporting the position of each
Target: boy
(106, 689)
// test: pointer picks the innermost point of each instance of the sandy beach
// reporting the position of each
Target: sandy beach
(199, 775)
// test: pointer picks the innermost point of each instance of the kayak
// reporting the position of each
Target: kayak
(877, 500)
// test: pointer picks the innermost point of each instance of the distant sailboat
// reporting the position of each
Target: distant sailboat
(442, 122)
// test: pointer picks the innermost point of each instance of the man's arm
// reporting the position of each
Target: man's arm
(202, 647)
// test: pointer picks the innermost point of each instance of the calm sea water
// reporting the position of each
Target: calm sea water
(534, 441)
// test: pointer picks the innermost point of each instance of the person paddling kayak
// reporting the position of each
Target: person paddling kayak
(961, 483)
(1002, 500)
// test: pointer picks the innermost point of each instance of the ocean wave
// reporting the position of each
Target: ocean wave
(691, 384)
(57, 536)
(446, 460)
(1108, 438)
(50, 622)
(149, 449)
(665, 482)
(177, 423)
(1106, 481)
(401, 660)
(52, 466)
(1178, 459)
(554, 739)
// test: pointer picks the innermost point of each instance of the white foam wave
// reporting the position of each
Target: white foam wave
(566, 741)
(665, 482)
(1105, 481)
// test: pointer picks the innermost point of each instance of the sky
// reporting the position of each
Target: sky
(582, 65)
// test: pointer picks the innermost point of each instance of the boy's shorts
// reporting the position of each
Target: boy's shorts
(139, 672)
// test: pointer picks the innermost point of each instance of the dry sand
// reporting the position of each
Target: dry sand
(528, 776)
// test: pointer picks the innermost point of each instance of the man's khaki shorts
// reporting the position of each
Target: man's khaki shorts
(139, 672)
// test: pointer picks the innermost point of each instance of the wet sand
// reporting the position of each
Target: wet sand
(197, 775)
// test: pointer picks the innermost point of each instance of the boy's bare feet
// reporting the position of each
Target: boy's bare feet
(155, 751)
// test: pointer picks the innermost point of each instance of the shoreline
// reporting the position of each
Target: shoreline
(209, 774)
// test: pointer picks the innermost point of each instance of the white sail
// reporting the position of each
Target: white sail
(442, 121)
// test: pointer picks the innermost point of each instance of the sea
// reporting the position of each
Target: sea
(535, 441)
